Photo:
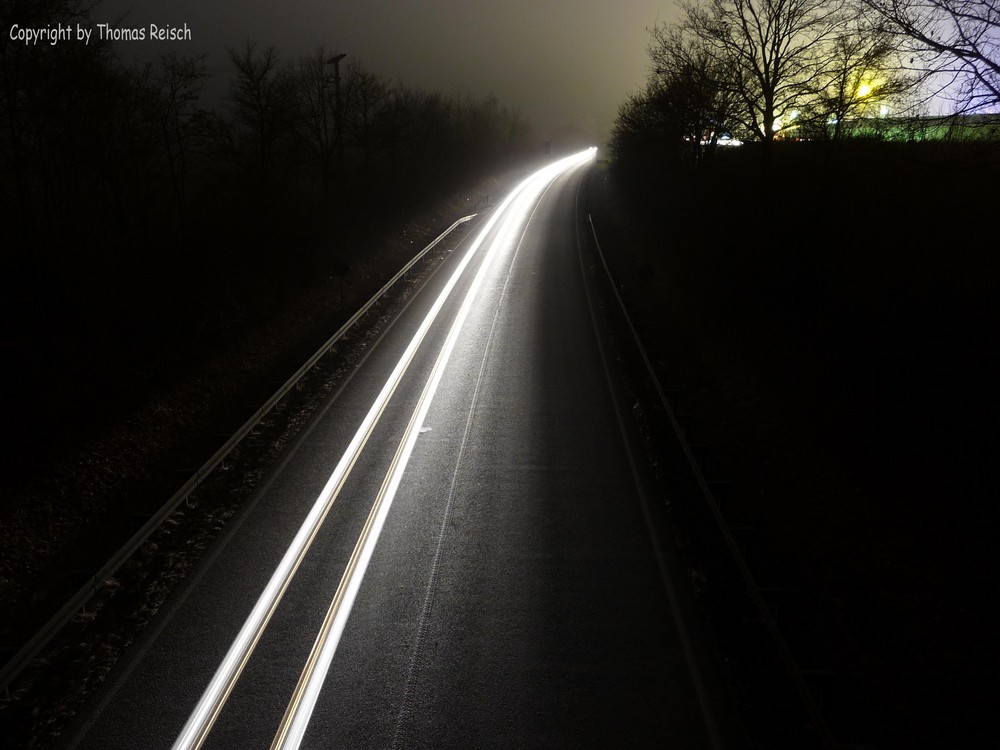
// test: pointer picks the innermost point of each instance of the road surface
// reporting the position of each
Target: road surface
(514, 589)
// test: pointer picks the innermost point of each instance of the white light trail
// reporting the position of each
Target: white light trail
(514, 211)
(300, 708)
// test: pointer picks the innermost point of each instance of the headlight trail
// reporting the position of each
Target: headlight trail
(303, 701)
(513, 211)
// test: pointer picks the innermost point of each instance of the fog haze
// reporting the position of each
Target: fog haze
(564, 64)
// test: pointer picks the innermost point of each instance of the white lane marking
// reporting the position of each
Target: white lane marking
(303, 701)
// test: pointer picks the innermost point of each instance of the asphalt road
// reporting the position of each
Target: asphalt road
(521, 592)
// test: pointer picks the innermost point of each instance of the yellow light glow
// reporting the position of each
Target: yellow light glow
(864, 89)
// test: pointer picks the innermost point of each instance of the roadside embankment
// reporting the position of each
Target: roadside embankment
(830, 330)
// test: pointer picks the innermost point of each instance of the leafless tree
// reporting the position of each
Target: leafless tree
(774, 50)
(422, 125)
(176, 84)
(368, 99)
(643, 129)
(317, 105)
(265, 102)
(957, 39)
(485, 129)
(692, 88)
(862, 77)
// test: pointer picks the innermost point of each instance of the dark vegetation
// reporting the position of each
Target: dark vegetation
(168, 262)
(828, 315)
(73, 519)
(824, 299)
(138, 223)
(829, 321)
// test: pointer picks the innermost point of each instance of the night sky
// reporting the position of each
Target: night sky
(564, 64)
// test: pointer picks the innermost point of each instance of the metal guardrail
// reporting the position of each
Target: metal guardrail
(752, 588)
(17, 663)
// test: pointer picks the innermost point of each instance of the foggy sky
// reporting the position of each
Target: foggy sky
(561, 63)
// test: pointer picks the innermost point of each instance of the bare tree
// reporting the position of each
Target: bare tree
(692, 88)
(863, 79)
(422, 126)
(643, 129)
(317, 104)
(956, 39)
(176, 84)
(368, 99)
(265, 100)
(773, 50)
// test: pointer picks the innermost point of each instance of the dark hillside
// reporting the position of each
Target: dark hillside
(832, 328)
(61, 524)
(167, 268)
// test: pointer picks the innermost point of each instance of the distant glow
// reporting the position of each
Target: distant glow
(864, 90)
(776, 126)
(883, 110)
(722, 140)
(793, 115)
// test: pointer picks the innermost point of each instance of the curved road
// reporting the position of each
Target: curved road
(515, 589)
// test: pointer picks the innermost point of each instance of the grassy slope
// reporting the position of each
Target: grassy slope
(831, 330)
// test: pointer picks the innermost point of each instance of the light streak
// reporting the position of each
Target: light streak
(513, 210)
(300, 707)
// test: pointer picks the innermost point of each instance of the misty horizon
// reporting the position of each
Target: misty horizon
(565, 67)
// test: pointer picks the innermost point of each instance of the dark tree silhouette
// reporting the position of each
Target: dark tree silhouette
(959, 40)
(265, 104)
